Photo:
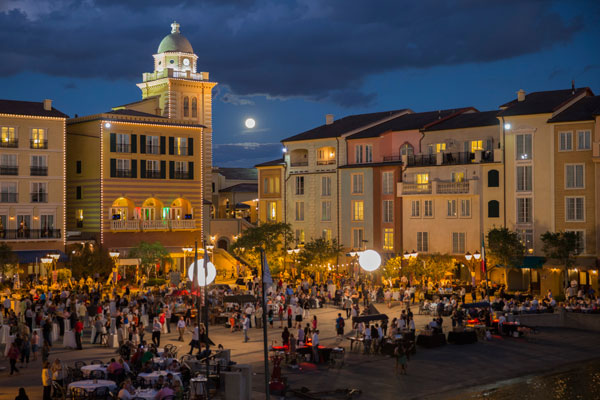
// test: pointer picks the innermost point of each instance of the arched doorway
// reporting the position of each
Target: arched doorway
(223, 244)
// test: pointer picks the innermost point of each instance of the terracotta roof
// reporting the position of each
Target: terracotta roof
(467, 120)
(33, 108)
(342, 126)
(241, 188)
(407, 122)
(540, 102)
(585, 109)
(271, 163)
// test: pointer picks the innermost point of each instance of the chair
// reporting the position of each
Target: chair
(79, 364)
(101, 393)
(97, 374)
(96, 362)
(58, 392)
(78, 393)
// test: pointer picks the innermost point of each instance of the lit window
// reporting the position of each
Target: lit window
(357, 211)
(476, 145)
(388, 239)
(299, 211)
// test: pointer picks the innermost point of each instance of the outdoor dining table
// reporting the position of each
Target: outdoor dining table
(86, 370)
(152, 377)
(148, 394)
(4, 333)
(89, 385)
(198, 386)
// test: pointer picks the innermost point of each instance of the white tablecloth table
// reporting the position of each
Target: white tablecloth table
(152, 377)
(87, 369)
(148, 394)
(4, 333)
(198, 386)
(113, 341)
(90, 385)
(69, 340)
(9, 340)
(55, 332)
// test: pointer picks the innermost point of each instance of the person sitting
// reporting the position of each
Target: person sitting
(114, 367)
(174, 366)
(160, 382)
(165, 392)
(127, 391)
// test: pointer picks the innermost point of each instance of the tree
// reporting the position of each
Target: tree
(271, 236)
(562, 246)
(151, 254)
(8, 258)
(88, 259)
(319, 252)
(504, 248)
(435, 266)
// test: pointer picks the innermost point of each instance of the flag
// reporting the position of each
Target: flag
(483, 260)
(267, 279)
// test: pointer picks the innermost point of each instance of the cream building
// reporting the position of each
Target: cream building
(32, 178)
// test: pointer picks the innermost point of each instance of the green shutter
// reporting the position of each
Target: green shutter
(171, 145)
(113, 142)
(171, 169)
(143, 144)
(113, 167)
(190, 146)
(142, 168)
(134, 169)
(163, 169)
(191, 169)
(163, 146)
(134, 143)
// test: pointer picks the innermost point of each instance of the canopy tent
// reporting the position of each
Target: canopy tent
(242, 206)
(33, 256)
(241, 299)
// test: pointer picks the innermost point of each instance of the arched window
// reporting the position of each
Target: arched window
(406, 150)
(186, 106)
(194, 107)
(493, 209)
(493, 178)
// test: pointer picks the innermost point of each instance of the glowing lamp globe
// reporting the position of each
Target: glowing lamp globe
(210, 275)
(369, 260)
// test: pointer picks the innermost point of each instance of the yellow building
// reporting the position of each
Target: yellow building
(270, 191)
(32, 178)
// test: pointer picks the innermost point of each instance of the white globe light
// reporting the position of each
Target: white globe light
(210, 275)
(369, 260)
(250, 123)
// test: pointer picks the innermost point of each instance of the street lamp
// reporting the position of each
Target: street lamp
(46, 261)
(114, 254)
(369, 260)
(186, 251)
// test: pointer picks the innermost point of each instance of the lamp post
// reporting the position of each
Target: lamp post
(294, 254)
(114, 254)
(46, 261)
(476, 256)
(186, 250)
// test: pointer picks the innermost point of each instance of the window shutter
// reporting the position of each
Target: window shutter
(134, 169)
(191, 169)
(113, 142)
(171, 145)
(134, 143)
(163, 146)
(163, 169)
(143, 144)
(190, 146)
(113, 167)
(171, 169)
(142, 168)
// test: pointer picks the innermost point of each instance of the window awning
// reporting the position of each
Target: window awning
(533, 262)
(33, 256)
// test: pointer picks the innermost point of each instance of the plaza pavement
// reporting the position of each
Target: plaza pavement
(432, 373)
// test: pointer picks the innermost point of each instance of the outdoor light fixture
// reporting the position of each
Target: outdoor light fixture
(107, 125)
(114, 253)
(46, 260)
(507, 126)
(477, 255)
(406, 255)
(468, 256)
(414, 254)
(55, 256)
(211, 273)
(210, 247)
(284, 150)
(369, 260)
(187, 249)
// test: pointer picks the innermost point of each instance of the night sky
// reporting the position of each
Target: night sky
(287, 63)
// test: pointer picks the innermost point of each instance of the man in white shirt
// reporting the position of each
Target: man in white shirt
(315, 346)
(181, 327)
(246, 326)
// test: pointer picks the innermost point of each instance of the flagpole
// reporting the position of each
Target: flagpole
(206, 261)
(264, 319)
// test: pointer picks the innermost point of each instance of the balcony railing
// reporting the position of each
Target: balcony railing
(392, 158)
(125, 225)
(324, 162)
(152, 225)
(152, 149)
(181, 151)
(28, 234)
(151, 174)
(299, 164)
(416, 188)
(9, 142)
(155, 225)
(183, 224)
(39, 197)
(419, 160)
(452, 187)
(181, 175)
(9, 197)
(38, 144)
(123, 148)
(38, 171)
(124, 173)
(9, 170)
(463, 157)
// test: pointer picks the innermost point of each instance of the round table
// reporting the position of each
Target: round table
(148, 394)
(90, 385)
(152, 377)
(87, 369)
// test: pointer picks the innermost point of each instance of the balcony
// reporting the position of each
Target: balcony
(123, 148)
(124, 173)
(38, 144)
(181, 175)
(29, 234)
(151, 174)
(136, 225)
(10, 142)
(463, 157)
(9, 197)
(452, 187)
(9, 170)
(125, 225)
(415, 188)
(438, 188)
(152, 149)
(421, 160)
(299, 164)
(155, 225)
(39, 197)
(182, 224)
(395, 158)
(38, 171)
(170, 73)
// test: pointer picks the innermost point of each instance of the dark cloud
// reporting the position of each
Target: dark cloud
(309, 48)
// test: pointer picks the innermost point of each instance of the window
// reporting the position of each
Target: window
(325, 156)
(524, 178)
(422, 178)
(194, 107)
(357, 183)
(39, 192)
(299, 185)
(493, 178)
(458, 242)
(271, 210)
(574, 176)
(358, 154)
(566, 141)
(523, 144)
(186, 106)
(326, 234)
(358, 211)
(326, 210)
(476, 145)
(181, 170)
(181, 146)
(152, 145)
(451, 208)
(580, 239)
(458, 177)
(8, 164)
(8, 192)
(78, 194)
(428, 208)
(524, 210)
(437, 148)
(9, 137)
(388, 182)
(465, 208)
(423, 242)
(357, 238)
(270, 185)
(299, 211)
(39, 139)
(584, 140)
(388, 239)
(575, 209)
(406, 150)
(123, 144)
(123, 168)
(79, 218)
(325, 186)
(415, 208)
(493, 209)
(526, 238)
(300, 235)
(388, 211)
(368, 153)
(78, 167)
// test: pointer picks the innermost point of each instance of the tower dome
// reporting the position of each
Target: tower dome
(175, 41)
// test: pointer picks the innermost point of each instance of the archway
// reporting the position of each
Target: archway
(122, 209)
(152, 209)
(223, 244)
(180, 209)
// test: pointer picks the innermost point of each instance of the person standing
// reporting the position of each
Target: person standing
(339, 325)
(246, 326)
(78, 328)
(13, 356)
(156, 329)
(315, 346)
(181, 328)
(195, 340)
(258, 316)
(46, 380)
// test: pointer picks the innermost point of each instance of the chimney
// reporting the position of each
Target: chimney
(573, 86)
(521, 95)
(328, 119)
(47, 104)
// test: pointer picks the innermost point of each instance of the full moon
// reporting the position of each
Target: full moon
(250, 123)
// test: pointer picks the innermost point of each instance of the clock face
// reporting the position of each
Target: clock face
(186, 62)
